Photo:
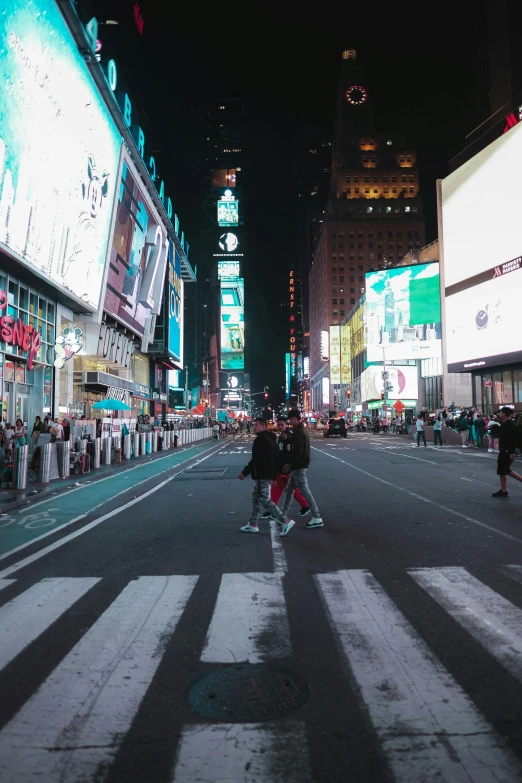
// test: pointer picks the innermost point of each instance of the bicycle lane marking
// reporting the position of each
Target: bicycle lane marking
(90, 525)
(75, 505)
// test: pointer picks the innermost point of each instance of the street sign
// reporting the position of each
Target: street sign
(399, 406)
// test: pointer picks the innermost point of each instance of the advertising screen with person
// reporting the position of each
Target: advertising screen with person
(233, 324)
(403, 313)
(59, 152)
(481, 207)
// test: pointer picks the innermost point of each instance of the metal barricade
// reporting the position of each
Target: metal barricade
(143, 443)
(44, 466)
(135, 444)
(20, 467)
(127, 446)
(107, 450)
(63, 450)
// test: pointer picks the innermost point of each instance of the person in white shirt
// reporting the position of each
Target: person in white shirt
(56, 431)
(420, 432)
(437, 431)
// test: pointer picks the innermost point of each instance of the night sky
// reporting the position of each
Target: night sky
(423, 74)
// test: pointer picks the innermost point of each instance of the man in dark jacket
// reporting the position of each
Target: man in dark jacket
(299, 462)
(262, 468)
(509, 440)
(284, 451)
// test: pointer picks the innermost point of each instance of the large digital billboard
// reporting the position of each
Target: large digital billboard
(228, 210)
(335, 355)
(403, 313)
(402, 380)
(481, 208)
(174, 310)
(233, 324)
(138, 256)
(59, 152)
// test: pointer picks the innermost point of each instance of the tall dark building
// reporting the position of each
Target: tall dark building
(373, 216)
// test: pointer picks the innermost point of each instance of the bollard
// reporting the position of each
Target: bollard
(143, 443)
(149, 443)
(166, 439)
(127, 446)
(107, 450)
(135, 444)
(20, 467)
(83, 446)
(153, 441)
(44, 466)
(96, 457)
(64, 458)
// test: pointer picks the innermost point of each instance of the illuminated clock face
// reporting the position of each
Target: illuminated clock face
(356, 95)
(228, 242)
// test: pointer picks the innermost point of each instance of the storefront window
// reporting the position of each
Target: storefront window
(23, 304)
(517, 385)
(9, 371)
(140, 369)
(19, 372)
(12, 294)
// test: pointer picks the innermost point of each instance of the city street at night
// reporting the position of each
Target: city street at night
(397, 628)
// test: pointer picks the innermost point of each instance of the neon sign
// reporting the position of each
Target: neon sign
(138, 18)
(292, 335)
(512, 119)
(19, 334)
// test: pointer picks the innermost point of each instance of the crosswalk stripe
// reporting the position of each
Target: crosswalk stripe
(242, 753)
(490, 618)
(77, 719)
(28, 615)
(513, 571)
(6, 583)
(428, 728)
(249, 621)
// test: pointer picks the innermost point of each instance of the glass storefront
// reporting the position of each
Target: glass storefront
(25, 392)
(494, 388)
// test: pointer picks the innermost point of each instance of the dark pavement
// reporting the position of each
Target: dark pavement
(404, 616)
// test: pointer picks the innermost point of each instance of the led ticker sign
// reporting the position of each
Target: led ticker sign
(228, 210)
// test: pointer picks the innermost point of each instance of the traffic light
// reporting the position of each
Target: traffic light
(382, 395)
(266, 395)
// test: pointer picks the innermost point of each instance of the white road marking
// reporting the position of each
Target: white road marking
(438, 505)
(6, 583)
(243, 753)
(492, 620)
(280, 565)
(428, 728)
(249, 621)
(28, 615)
(513, 571)
(77, 719)
(65, 540)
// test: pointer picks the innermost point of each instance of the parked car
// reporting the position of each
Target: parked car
(335, 427)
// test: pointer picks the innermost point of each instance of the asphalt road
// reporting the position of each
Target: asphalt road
(403, 615)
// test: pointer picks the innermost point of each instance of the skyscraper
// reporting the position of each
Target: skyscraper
(373, 215)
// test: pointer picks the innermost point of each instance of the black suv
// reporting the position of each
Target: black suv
(335, 427)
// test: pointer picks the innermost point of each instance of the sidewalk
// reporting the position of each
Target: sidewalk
(11, 499)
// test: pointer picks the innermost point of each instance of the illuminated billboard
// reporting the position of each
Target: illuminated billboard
(228, 210)
(175, 306)
(138, 256)
(287, 376)
(325, 345)
(481, 207)
(402, 380)
(233, 324)
(403, 313)
(228, 269)
(335, 354)
(59, 152)
(346, 365)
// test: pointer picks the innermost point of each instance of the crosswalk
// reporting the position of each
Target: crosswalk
(426, 724)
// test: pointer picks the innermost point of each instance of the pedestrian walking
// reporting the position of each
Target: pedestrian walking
(420, 431)
(509, 440)
(262, 468)
(299, 463)
(493, 433)
(463, 428)
(56, 431)
(284, 450)
(376, 427)
(437, 431)
(480, 429)
(384, 424)
(37, 429)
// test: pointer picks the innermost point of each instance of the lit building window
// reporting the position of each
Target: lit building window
(369, 209)
(407, 209)
(389, 142)
(388, 209)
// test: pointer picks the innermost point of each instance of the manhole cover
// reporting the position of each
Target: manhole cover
(251, 692)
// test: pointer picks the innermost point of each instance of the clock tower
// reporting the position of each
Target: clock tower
(355, 109)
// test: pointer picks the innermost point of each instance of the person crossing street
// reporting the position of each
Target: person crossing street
(299, 463)
(509, 440)
(284, 449)
(262, 468)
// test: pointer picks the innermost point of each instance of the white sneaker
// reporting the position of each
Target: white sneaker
(250, 528)
(465, 447)
(314, 522)
(287, 527)
(490, 451)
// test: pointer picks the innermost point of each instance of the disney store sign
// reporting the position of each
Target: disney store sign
(15, 332)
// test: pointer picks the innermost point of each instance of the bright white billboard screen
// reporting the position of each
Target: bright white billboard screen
(402, 380)
(481, 209)
(59, 152)
(403, 313)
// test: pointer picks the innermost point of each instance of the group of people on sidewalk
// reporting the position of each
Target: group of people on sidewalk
(280, 464)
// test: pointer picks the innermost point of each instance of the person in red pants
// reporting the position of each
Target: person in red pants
(284, 447)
